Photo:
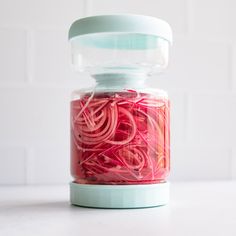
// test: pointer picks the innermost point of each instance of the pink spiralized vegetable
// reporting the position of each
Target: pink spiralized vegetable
(120, 138)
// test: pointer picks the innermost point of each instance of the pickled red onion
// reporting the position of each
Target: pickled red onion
(120, 138)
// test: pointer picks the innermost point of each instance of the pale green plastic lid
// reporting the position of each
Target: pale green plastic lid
(119, 196)
(100, 31)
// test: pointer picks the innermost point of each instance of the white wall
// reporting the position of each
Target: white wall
(36, 81)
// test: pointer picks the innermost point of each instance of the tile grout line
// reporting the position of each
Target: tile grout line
(25, 166)
(230, 67)
(30, 57)
(186, 119)
(87, 7)
(189, 16)
(29, 166)
(231, 174)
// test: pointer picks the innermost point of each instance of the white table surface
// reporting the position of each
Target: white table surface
(207, 208)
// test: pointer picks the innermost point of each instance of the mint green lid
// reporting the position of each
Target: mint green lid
(127, 24)
(119, 196)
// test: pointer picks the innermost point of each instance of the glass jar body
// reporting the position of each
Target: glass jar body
(120, 136)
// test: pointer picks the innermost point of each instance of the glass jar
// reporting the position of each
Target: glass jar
(120, 128)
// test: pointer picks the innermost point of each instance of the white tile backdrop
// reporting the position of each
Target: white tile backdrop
(36, 81)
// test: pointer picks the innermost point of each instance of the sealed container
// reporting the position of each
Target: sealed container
(120, 128)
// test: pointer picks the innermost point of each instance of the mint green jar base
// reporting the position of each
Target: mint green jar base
(119, 196)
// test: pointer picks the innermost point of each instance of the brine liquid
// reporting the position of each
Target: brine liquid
(120, 138)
